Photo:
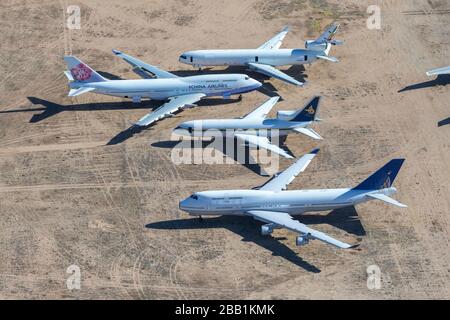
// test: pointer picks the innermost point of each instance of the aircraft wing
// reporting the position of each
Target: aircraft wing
(283, 179)
(285, 220)
(387, 199)
(175, 104)
(435, 72)
(328, 34)
(263, 110)
(276, 41)
(309, 132)
(273, 72)
(262, 142)
(142, 68)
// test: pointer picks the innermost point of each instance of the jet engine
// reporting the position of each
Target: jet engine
(302, 240)
(267, 229)
(313, 45)
(321, 46)
(285, 115)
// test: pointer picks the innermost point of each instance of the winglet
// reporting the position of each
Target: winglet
(116, 51)
(315, 151)
(286, 28)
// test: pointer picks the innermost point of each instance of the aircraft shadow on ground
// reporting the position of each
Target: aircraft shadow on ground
(444, 122)
(50, 109)
(246, 227)
(346, 219)
(134, 129)
(241, 155)
(441, 80)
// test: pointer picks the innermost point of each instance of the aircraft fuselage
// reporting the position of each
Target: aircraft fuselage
(241, 57)
(295, 202)
(161, 89)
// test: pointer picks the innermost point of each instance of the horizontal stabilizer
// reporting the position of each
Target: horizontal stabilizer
(309, 132)
(69, 75)
(331, 59)
(80, 91)
(387, 199)
(337, 42)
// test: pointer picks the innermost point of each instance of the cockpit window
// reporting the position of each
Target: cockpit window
(194, 197)
(247, 78)
(183, 57)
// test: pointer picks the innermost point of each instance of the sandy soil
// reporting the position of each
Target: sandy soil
(66, 197)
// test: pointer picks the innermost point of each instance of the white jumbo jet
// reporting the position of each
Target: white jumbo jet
(274, 206)
(254, 129)
(182, 92)
(436, 72)
(265, 58)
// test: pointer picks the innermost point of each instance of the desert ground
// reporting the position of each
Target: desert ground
(77, 187)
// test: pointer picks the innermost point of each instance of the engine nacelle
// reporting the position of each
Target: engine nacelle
(267, 229)
(313, 45)
(285, 115)
(302, 240)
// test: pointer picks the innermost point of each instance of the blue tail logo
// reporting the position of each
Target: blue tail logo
(309, 111)
(382, 178)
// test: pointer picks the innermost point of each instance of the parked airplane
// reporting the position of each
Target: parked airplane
(265, 58)
(254, 129)
(181, 92)
(274, 206)
(436, 72)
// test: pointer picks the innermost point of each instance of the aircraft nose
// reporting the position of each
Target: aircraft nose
(183, 129)
(255, 83)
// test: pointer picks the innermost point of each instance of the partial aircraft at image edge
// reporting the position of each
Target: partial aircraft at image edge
(273, 205)
(438, 71)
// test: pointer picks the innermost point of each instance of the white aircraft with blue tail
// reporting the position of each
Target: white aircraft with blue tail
(255, 129)
(275, 207)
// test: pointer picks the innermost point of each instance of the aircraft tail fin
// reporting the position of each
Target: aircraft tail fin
(382, 178)
(80, 72)
(308, 112)
(328, 34)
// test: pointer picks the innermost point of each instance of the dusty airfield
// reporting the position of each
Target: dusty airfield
(67, 198)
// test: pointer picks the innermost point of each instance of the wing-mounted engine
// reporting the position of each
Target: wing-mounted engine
(315, 45)
(286, 115)
(267, 229)
(303, 240)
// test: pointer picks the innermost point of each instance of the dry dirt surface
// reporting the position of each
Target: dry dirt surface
(77, 187)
